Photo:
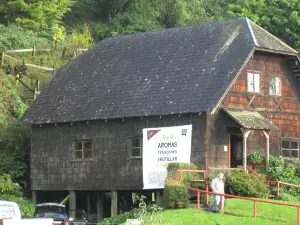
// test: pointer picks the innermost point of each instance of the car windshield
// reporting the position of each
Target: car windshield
(51, 215)
(54, 212)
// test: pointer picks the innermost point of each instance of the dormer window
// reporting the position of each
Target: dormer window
(275, 86)
(253, 82)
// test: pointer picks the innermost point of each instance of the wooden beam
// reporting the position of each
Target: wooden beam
(250, 100)
(278, 104)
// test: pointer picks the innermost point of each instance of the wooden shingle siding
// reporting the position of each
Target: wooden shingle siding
(286, 117)
(52, 167)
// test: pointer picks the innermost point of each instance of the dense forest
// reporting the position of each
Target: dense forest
(67, 25)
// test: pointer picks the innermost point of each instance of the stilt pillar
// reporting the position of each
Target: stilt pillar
(88, 203)
(159, 198)
(34, 197)
(99, 208)
(114, 203)
(72, 204)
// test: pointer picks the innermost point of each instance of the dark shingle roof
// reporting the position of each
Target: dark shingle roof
(263, 39)
(179, 70)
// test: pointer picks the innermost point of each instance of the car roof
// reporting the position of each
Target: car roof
(50, 204)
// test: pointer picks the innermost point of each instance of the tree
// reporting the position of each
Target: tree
(34, 14)
(280, 17)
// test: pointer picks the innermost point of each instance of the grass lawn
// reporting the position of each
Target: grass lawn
(237, 212)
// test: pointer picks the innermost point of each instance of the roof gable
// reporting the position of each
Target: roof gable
(265, 40)
(173, 71)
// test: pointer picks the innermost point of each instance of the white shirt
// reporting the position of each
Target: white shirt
(217, 186)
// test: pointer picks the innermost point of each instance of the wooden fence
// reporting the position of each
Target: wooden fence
(248, 199)
(33, 92)
(33, 50)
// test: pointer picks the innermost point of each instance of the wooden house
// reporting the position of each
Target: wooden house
(237, 84)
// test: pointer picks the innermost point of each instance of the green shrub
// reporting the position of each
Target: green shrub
(175, 194)
(186, 176)
(116, 220)
(7, 186)
(256, 157)
(174, 167)
(247, 185)
(288, 197)
(26, 206)
(276, 168)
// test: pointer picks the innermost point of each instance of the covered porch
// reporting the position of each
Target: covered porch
(248, 121)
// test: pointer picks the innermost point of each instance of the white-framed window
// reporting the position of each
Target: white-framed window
(253, 82)
(275, 86)
(135, 145)
(83, 149)
(290, 148)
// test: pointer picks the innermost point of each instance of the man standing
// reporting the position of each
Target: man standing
(217, 185)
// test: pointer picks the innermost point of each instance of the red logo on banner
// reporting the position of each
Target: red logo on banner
(151, 133)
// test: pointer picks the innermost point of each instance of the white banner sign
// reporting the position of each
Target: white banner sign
(162, 146)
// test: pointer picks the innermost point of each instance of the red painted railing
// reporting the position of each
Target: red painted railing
(276, 182)
(249, 170)
(204, 172)
(248, 199)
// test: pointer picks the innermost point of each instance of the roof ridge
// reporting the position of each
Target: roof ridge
(176, 28)
(253, 38)
(251, 23)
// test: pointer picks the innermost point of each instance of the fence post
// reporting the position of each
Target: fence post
(2, 57)
(254, 213)
(181, 175)
(206, 194)
(277, 189)
(198, 200)
(33, 50)
(298, 215)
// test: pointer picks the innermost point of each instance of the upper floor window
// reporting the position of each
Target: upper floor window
(135, 147)
(253, 82)
(275, 86)
(83, 149)
(290, 149)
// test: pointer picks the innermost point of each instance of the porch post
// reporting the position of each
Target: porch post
(245, 136)
(267, 135)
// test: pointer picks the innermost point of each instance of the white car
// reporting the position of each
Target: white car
(10, 214)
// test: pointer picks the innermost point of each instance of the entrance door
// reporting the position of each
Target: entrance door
(236, 150)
